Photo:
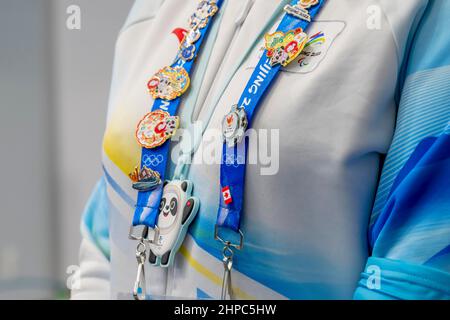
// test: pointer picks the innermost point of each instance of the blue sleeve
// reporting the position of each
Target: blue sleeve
(409, 231)
(95, 220)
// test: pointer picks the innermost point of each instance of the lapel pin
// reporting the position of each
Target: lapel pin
(169, 83)
(283, 48)
(156, 128)
(234, 125)
(300, 10)
(145, 180)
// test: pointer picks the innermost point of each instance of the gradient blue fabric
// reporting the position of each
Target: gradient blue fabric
(386, 279)
(410, 226)
(95, 221)
(414, 227)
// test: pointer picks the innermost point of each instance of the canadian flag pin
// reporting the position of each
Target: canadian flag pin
(226, 194)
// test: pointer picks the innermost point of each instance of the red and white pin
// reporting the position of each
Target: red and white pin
(226, 194)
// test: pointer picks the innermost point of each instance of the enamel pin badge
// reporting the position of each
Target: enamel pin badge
(145, 180)
(177, 210)
(234, 125)
(169, 83)
(187, 45)
(283, 48)
(192, 36)
(205, 10)
(300, 10)
(156, 128)
(187, 51)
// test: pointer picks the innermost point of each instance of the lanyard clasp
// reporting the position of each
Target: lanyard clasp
(227, 289)
(228, 243)
(142, 235)
(139, 290)
(227, 254)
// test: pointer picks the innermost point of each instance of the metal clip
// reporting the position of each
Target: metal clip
(227, 289)
(143, 234)
(228, 243)
(228, 253)
(139, 291)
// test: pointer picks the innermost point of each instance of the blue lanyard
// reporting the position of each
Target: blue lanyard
(184, 160)
(147, 206)
(232, 170)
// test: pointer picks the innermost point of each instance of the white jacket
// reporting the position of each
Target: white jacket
(306, 226)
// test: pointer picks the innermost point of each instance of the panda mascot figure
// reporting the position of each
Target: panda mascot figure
(176, 212)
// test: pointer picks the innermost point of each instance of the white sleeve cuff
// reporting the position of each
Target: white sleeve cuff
(91, 280)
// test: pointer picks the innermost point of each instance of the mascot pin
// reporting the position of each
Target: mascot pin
(156, 128)
(169, 83)
(283, 48)
(205, 10)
